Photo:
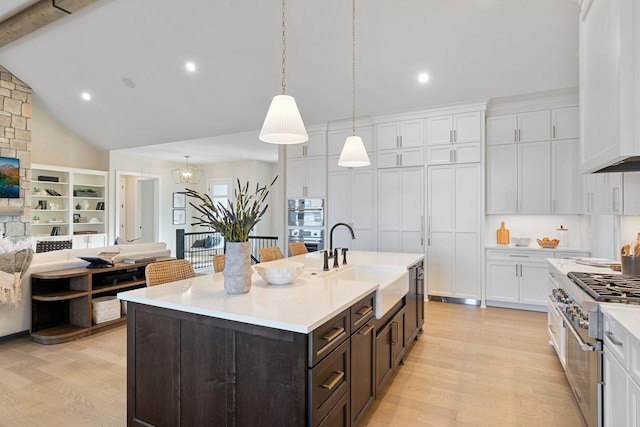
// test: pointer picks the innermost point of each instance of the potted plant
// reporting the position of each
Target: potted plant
(35, 219)
(234, 222)
(85, 192)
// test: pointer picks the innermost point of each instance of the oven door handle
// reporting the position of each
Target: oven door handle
(583, 345)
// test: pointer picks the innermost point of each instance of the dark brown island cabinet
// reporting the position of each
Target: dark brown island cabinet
(186, 369)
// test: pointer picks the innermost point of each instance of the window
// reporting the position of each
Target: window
(221, 190)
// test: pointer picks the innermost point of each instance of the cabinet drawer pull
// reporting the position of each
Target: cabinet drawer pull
(369, 329)
(333, 335)
(339, 375)
(364, 311)
(518, 256)
(613, 339)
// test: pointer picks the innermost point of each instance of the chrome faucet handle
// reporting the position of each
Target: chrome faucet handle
(335, 257)
(344, 255)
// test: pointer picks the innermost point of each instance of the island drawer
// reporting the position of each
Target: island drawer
(362, 311)
(329, 381)
(328, 336)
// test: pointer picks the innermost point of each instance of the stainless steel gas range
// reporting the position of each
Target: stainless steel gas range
(575, 327)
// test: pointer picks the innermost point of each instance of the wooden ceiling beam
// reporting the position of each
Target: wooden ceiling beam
(37, 16)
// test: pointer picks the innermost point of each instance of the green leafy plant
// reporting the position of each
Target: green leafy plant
(235, 221)
(36, 218)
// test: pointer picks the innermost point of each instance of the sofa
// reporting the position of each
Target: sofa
(17, 319)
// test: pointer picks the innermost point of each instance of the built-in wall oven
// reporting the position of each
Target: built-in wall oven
(313, 239)
(305, 212)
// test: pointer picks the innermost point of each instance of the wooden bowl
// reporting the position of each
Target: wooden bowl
(548, 244)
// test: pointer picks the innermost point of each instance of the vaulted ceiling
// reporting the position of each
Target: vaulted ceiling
(472, 49)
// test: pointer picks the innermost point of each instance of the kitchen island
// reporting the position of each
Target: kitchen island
(298, 354)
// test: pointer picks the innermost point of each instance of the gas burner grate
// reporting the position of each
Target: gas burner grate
(609, 287)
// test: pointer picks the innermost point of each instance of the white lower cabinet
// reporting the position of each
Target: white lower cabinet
(621, 402)
(400, 210)
(557, 332)
(89, 241)
(453, 231)
(517, 278)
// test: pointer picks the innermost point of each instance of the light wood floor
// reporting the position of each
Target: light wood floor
(471, 367)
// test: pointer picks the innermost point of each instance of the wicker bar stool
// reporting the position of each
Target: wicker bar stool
(270, 254)
(158, 273)
(297, 248)
(218, 262)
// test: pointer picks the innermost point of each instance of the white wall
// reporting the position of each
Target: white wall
(54, 144)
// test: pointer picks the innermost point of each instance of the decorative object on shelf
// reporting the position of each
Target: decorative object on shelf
(100, 206)
(55, 231)
(85, 192)
(35, 219)
(548, 243)
(283, 123)
(76, 218)
(234, 223)
(179, 200)
(179, 216)
(85, 205)
(48, 178)
(42, 204)
(53, 206)
(187, 174)
(14, 261)
(503, 235)
(52, 192)
(353, 154)
(78, 207)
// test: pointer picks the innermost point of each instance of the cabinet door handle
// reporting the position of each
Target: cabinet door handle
(515, 135)
(338, 376)
(394, 333)
(519, 136)
(333, 335)
(455, 155)
(397, 141)
(400, 139)
(553, 131)
(613, 339)
(364, 311)
(450, 155)
(455, 136)
(518, 256)
(366, 332)
(450, 136)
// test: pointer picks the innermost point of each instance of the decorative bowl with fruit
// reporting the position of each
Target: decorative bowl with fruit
(548, 243)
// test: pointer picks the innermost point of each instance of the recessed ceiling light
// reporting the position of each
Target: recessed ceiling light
(190, 66)
(423, 77)
(86, 96)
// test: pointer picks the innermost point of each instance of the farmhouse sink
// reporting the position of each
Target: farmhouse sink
(393, 283)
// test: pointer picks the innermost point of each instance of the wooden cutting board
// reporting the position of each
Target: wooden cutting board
(503, 235)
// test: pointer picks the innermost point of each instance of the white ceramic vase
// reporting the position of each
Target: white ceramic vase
(237, 268)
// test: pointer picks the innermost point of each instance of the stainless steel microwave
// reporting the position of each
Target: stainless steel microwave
(305, 213)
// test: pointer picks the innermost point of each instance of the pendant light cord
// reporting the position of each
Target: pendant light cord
(353, 68)
(284, 48)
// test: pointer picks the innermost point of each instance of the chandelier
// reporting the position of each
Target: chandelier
(186, 174)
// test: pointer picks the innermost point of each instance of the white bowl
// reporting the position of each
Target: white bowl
(279, 272)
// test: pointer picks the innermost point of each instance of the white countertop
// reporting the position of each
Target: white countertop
(564, 266)
(627, 315)
(299, 307)
(534, 247)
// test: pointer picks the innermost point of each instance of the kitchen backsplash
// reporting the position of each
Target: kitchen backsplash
(535, 227)
(629, 229)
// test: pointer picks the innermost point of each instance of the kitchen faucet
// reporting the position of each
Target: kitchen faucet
(353, 235)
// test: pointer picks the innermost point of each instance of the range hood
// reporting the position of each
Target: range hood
(629, 164)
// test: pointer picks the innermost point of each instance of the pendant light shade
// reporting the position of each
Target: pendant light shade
(283, 123)
(186, 174)
(353, 154)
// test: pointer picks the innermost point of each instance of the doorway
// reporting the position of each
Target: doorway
(136, 215)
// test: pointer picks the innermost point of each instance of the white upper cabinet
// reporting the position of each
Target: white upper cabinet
(532, 126)
(566, 180)
(609, 79)
(565, 123)
(315, 146)
(307, 167)
(402, 134)
(455, 138)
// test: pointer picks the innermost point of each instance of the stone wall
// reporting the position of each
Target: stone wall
(15, 141)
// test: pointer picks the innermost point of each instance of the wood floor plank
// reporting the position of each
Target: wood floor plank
(471, 367)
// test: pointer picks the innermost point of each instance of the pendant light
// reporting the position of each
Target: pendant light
(283, 123)
(187, 174)
(353, 154)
